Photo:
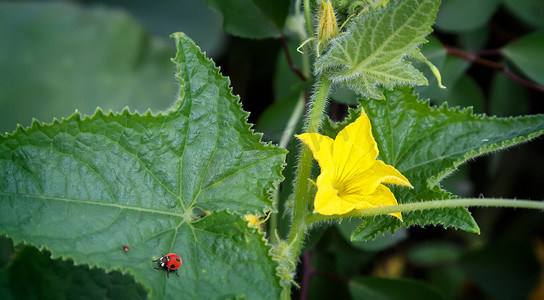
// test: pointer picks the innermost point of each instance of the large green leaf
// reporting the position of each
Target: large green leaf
(58, 57)
(176, 182)
(252, 18)
(526, 52)
(427, 144)
(373, 50)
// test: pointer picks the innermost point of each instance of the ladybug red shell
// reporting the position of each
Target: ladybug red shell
(169, 262)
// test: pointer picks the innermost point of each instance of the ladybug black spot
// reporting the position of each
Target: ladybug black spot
(172, 266)
(178, 259)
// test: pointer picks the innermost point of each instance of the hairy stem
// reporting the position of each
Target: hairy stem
(298, 229)
(434, 204)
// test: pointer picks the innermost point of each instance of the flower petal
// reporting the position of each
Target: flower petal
(327, 201)
(321, 147)
(381, 197)
(354, 149)
(365, 183)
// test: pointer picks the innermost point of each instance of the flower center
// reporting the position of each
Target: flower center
(338, 187)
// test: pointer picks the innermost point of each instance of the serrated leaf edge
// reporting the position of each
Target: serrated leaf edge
(180, 38)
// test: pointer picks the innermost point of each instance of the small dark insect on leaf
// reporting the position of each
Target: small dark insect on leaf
(126, 248)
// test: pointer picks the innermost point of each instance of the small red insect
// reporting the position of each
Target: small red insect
(169, 262)
(126, 248)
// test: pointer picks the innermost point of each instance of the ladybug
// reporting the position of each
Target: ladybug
(169, 262)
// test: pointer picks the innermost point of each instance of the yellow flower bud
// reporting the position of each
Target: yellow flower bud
(326, 26)
(257, 221)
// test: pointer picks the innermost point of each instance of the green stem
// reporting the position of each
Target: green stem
(308, 17)
(297, 233)
(323, 86)
(434, 204)
(298, 229)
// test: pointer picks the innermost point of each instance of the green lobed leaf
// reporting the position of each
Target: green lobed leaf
(373, 50)
(427, 144)
(527, 54)
(458, 218)
(392, 289)
(176, 182)
(252, 18)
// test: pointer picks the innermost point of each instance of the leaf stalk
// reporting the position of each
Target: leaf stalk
(433, 204)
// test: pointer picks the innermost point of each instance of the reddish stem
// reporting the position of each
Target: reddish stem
(293, 67)
(474, 58)
(307, 272)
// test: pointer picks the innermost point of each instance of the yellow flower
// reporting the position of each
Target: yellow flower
(351, 177)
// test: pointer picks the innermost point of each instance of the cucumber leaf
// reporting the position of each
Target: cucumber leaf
(181, 181)
(426, 144)
(373, 50)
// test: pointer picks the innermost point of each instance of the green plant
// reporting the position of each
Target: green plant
(117, 190)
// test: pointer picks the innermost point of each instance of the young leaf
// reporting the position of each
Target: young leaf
(174, 182)
(252, 18)
(426, 144)
(373, 50)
